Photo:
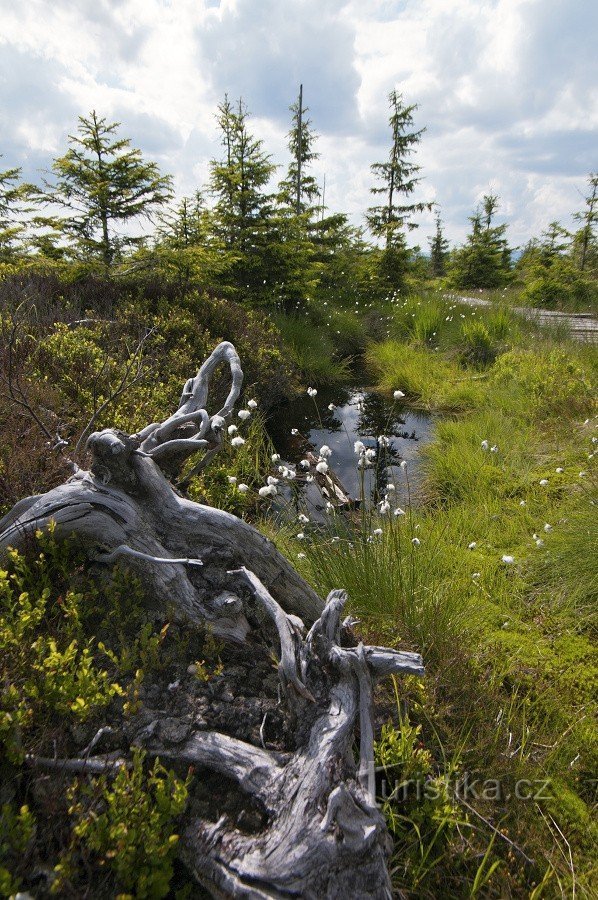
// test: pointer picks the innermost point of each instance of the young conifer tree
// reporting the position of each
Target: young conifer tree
(585, 239)
(242, 215)
(14, 195)
(398, 180)
(300, 189)
(438, 250)
(485, 259)
(103, 183)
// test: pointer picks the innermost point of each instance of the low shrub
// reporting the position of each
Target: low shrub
(126, 826)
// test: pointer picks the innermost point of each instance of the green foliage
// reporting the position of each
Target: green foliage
(397, 176)
(103, 183)
(242, 213)
(48, 667)
(312, 349)
(432, 383)
(185, 249)
(569, 573)
(17, 833)
(586, 241)
(478, 348)
(249, 464)
(127, 826)
(298, 184)
(484, 260)
(560, 285)
(551, 380)
(421, 813)
(438, 250)
(14, 196)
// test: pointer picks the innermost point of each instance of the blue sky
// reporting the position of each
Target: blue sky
(507, 90)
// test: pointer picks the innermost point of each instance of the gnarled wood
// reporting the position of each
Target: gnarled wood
(322, 835)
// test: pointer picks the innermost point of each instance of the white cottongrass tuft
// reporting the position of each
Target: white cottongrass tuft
(252, 404)
(331, 407)
(560, 470)
(294, 431)
(301, 556)
(547, 527)
(509, 560)
(232, 479)
(312, 391)
(303, 518)
(384, 507)
(377, 532)
(398, 395)
(231, 429)
(485, 445)
(359, 447)
(325, 452)
(238, 441)
(494, 449)
(399, 512)
(267, 491)
(271, 480)
(472, 545)
(322, 467)
(275, 457)
(243, 414)
(242, 488)
(543, 482)
(403, 464)
(416, 542)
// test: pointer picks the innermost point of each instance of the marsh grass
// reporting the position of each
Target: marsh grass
(569, 573)
(312, 349)
(502, 608)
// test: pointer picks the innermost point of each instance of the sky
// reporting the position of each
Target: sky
(507, 91)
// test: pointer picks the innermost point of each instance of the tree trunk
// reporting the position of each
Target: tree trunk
(321, 834)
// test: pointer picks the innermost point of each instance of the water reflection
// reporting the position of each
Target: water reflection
(340, 416)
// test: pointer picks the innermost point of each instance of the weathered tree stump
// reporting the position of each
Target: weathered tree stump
(321, 834)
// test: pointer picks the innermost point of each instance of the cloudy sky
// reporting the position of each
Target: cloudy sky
(507, 90)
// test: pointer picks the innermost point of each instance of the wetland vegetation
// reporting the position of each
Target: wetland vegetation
(468, 434)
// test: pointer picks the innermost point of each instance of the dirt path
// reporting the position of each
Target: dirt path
(582, 326)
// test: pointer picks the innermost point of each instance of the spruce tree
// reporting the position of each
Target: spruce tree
(554, 243)
(14, 196)
(438, 250)
(585, 239)
(103, 183)
(398, 180)
(485, 259)
(300, 189)
(242, 217)
(185, 247)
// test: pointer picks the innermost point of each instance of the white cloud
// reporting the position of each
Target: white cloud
(506, 88)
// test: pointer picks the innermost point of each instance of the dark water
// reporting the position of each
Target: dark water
(358, 415)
